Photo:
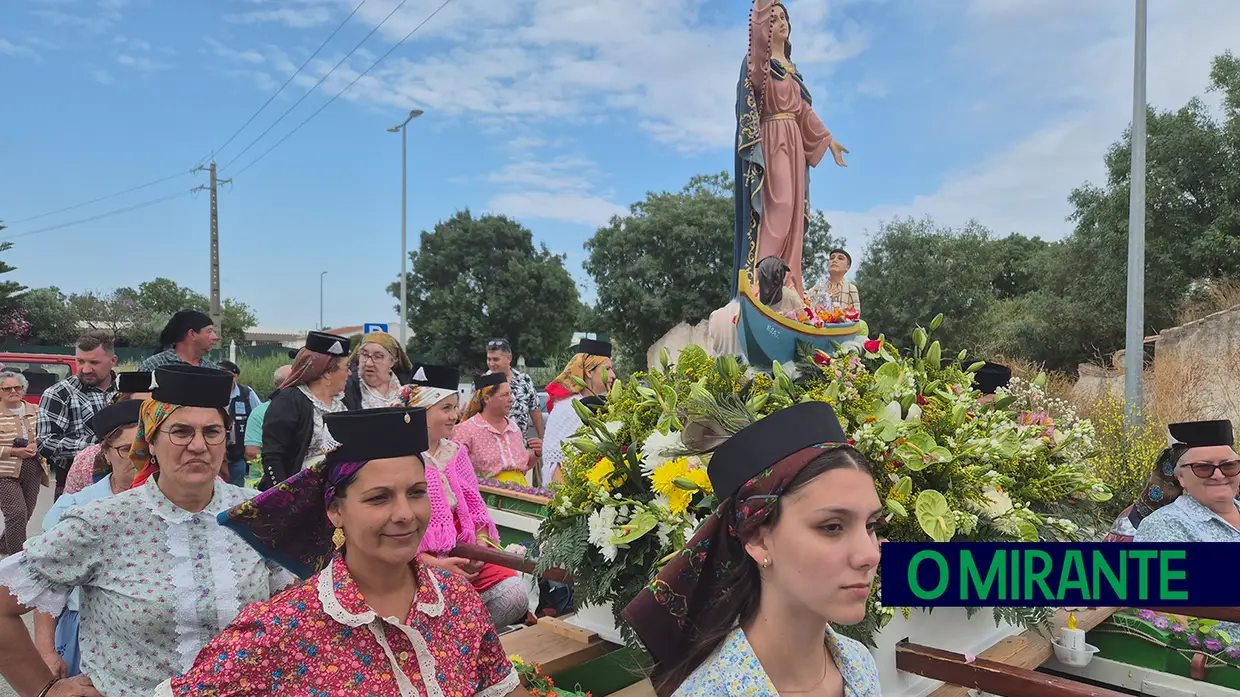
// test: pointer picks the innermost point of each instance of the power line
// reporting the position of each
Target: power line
(316, 85)
(346, 88)
(102, 198)
(290, 79)
(108, 214)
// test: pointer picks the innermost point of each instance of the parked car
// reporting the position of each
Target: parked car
(42, 370)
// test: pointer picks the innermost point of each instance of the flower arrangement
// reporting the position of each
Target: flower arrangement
(519, 488)
(538, 684)
(951, 464)
(820, 315)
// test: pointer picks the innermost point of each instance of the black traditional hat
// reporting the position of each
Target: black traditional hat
(114, 416)
(441, 376)
(594, 402)
(329, 344)
(376, 434)
(136, 381)
(190, 386)
(991, 377)
(762, 444)
(181, 323)
(489, 380)
(1200, 434)
(594, 347)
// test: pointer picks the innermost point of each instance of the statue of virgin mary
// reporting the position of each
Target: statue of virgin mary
(778, 138)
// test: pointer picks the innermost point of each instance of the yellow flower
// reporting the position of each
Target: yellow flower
(698, 476)
(601, 474)
(664, 475)
(664, 481)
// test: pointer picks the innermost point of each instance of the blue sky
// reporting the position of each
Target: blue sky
(559, 113)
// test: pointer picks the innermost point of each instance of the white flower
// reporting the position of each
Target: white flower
(1000, 502)
(657, 449)
(613, 427)
(515, 548)
(665, 535)
(602, 525)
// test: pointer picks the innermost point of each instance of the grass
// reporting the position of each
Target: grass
(257, 373)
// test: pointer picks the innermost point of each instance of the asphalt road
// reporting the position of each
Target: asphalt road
(35, 527)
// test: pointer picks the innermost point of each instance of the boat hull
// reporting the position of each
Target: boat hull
(766, 336)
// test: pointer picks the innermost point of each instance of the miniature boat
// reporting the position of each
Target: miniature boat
(766, 336)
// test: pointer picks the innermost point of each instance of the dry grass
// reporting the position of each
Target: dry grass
(1217, 296)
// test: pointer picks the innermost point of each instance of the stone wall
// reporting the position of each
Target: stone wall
(1197, 369)
(677, 339)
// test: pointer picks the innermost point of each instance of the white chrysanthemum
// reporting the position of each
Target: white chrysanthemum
(657, 449)
(602, 524)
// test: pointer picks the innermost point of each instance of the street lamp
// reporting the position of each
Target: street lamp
(1134, 340)
(404, 190)
(321, 275)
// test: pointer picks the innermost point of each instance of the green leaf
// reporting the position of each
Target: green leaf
(897, 508)
(863, 329)
(934, 516)
(642, 523)
(1001, 404)
(888, 376)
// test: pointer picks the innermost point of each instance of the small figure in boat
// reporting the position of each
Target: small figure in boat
(836, 289)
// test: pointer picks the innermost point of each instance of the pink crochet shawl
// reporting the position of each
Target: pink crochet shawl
(444, 532)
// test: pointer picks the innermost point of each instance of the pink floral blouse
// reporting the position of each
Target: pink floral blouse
(82, 473)
(490, 450)
(321, 638)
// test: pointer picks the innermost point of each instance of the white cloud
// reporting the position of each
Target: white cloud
(8, 48)
(666, 65)
(295, 17)
(568, 207)
(141, 63)
(1078, 54)
(562, 188)
(101, 76)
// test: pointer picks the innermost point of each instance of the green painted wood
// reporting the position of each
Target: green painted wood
(606, 674)
(1156, 650)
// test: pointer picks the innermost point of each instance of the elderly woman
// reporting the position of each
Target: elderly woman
(372, 619)
(158, 578)
(592, 367)
(492, 440)
(20, 470)
(458, 514)
(115, 428)
(377, 371)
(83, 473)
(293, 425)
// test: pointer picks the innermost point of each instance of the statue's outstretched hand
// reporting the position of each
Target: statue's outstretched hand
(838, 151)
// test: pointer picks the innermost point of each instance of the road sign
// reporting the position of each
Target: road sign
(372, 328)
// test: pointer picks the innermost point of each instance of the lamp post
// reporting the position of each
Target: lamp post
(1134, 339)
(404, 252)
(321, 275)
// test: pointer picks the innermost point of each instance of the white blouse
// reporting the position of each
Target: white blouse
(157, 582)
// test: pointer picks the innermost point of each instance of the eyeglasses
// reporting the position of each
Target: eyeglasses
(1205, 470)
(497, 345)
(375, 357)
(11, 388)
(123, 450)
(184, 435)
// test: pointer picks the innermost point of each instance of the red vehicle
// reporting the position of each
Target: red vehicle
(42, 370)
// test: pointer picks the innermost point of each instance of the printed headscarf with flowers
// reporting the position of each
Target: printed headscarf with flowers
(475, 401)
(693, 579)
(581, 366)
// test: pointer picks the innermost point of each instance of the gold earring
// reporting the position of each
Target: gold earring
(338, 538)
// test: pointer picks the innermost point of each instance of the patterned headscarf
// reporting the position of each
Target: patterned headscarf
(150, 418)
(288, 523)
(390, 344)
(423, 396)
(693, 579)
(475, 400)
(308, 366)
(1161, 488)
(581, 366)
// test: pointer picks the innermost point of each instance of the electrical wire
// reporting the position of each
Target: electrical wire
(346, 88)
(317, 84)
(289, 81)
(100, 216)
(101, 198)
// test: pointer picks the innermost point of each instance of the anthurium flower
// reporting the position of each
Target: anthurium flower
(873, 346)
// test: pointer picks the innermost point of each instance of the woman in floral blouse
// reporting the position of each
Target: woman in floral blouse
(136, 386)
(158, 577)
(458, 514)
(372, 619)
(494, 442)
(793, 537)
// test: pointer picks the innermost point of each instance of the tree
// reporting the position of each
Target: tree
(913, 270)
(475, 279)
(670, 260)
(136, 317)
(53, 321)
(8, 289)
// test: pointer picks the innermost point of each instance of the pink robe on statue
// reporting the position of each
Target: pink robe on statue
(792, 137)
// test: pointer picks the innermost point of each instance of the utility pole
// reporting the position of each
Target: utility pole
(404, 250)
(216, 314)
(1134, 340)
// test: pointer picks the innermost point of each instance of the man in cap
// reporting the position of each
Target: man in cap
(526, 411)
(190, 336)
(241, 405)
(66, 408)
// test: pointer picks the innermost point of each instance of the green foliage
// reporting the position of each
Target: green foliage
(671, 261)
(475, 279)
(8, 289)
(136, 316)
(53, 321)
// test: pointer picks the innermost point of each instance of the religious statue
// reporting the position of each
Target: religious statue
(778, 138)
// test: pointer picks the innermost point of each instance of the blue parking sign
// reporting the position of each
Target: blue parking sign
(374, 327)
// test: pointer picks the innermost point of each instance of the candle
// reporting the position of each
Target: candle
(1071, 637)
